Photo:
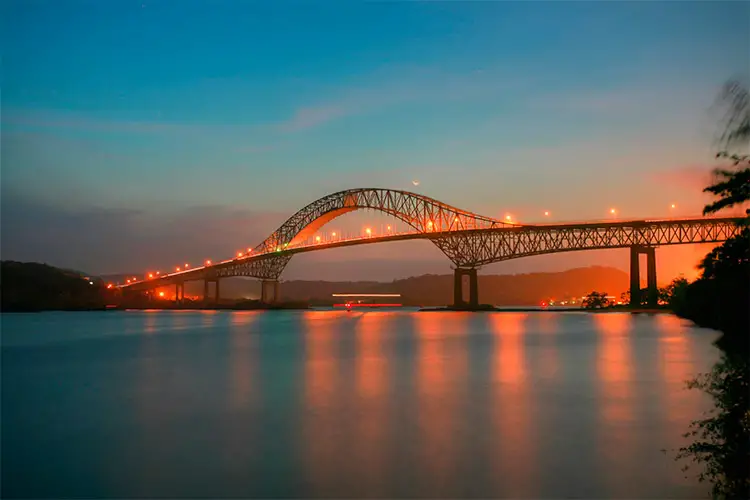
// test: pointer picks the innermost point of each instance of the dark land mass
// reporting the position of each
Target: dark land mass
(30, 287)
(37, 287)
(435, 290)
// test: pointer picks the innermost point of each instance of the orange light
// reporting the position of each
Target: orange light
(161, 294)
(127, 281)
(429, 224)
(249, 250)
(507, 217)
(546, 213)
(333, 234)
(317, 239)
(368, 231)
(388, 228)
(109, 285)
(674, 206)
(150, 275)
(455, 220)
(239, 254)
(157, 273)
(186, 266)
(178, 268)
(134, 279)
(208, 262)
(612, 210)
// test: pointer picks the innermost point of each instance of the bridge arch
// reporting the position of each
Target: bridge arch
(423, 213)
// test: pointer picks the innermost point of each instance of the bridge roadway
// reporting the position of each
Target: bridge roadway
(468, 240)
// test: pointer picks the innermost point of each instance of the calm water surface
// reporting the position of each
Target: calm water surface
(331, 404)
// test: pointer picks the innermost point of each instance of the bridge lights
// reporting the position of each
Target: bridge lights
(429, 225)
(333, 234)
(208, 262)
(317, 239)
(508, 217)
(186, 266)
(239, 254)
(150, 275)
(249, 250)
(388, 228)
(368, 231)
(178, 268)
(127, 281)
(157, 273)
(161, 294)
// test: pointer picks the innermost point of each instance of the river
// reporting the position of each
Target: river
(359, 404)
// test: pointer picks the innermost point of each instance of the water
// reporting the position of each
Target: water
(332, 404)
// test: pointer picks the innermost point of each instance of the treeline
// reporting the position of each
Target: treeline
(30, 286)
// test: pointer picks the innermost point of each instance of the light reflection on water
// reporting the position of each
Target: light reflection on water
(332, 404)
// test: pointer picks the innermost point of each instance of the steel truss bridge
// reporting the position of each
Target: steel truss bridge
(469, 240)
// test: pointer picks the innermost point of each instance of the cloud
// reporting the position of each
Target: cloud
(394, 86)
(310, 117)
(104, 240)
(53, 119)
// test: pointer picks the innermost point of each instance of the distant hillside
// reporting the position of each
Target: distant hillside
(30, 286)
(430, 289)
(510, 290)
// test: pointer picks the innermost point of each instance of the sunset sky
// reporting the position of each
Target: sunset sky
(138, 134)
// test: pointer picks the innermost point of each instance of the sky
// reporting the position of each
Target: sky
(139, 134)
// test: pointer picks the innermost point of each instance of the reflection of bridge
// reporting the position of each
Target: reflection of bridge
(467, 239)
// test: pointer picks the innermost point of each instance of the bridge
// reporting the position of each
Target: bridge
(469, 240)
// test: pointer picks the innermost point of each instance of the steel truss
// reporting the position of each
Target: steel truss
(469, 240)
(477, 248)
(420, 212)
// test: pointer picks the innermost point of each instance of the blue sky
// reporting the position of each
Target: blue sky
(194, 127)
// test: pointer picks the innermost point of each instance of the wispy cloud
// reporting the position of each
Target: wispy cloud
(54, 119)
(310, 117)
(397, 86)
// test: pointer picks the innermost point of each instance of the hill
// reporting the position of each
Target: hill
(30, 286)
(433, 290)
(503, 290)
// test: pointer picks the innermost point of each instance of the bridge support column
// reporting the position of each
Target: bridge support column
(653, 290)
(458, 287)
(206, 292)
(635, 276)
(269, 291)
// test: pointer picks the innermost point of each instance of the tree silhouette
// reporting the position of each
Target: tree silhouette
(596, 300)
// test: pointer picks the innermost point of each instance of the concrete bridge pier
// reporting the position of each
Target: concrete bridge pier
(635, 275)
(458, 287)
(206, 283)
(269, 291)
(179, 292)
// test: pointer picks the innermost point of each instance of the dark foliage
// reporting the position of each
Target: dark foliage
(29, 286)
